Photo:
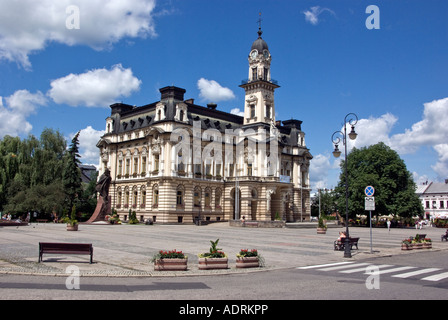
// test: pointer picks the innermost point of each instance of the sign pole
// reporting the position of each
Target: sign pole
(370, 214)
(370, 205)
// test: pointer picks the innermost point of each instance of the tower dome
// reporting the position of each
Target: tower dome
(259, 44)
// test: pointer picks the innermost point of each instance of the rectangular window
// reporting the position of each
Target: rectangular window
(249, 169)
(196, 200)
(252, 111)
(143, 164)
(135, 165)
(231, 169)
(179, 198)
(156, 197)
(156, 162)
(128, 163)
(254, 74)
(120, 167)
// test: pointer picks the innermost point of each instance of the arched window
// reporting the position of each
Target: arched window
(134, 197)
(126, 197)
(119, 195)
(207, 197)
(180, 197)
(197, 197)
(218, 195)
(155, 196)
(143, 197)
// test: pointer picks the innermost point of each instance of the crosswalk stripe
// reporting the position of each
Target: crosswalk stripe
(324, 265)
(415, 273)
(348, 267)
(395, 270)
(437, 277)
(364, 268)
(343, 267)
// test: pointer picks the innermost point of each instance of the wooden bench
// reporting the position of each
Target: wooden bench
(420, 236)
(340, 244)
(444, 237)
(65, 248)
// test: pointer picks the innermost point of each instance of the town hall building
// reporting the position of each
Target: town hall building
(173, 161)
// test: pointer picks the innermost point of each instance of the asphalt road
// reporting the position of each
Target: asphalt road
(285, 284)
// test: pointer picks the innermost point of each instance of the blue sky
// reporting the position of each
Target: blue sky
(327, 62)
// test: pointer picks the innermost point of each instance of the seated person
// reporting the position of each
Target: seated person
(342, 235)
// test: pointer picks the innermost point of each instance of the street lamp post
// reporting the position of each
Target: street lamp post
(352, 119)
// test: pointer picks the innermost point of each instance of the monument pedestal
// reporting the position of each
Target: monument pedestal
(102, 210)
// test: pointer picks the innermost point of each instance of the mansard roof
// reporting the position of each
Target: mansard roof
(128, 118)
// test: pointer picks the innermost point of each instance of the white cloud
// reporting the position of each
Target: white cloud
(312, 15)
(372, 130)
(88, 138)
(431, 130)
(27, 26)
(441, 167)
(212, 91)
(94, 88)
(237, 111)
(19, 106)
(319, 169)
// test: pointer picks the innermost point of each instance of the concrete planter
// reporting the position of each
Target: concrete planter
(213, 263)
(321, 230)
(174, 264)
(247, 262)
(72, 227)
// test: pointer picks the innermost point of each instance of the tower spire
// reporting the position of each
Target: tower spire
(259, 25)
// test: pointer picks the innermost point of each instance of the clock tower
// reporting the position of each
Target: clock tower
(259, 87)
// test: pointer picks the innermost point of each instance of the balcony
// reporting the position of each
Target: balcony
(247, 81)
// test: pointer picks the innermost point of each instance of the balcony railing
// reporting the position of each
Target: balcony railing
(246, 81)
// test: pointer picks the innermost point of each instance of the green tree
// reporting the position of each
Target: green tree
(71, 177)
(382, 168)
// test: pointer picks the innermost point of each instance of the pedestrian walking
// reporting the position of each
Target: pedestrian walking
(388, 225)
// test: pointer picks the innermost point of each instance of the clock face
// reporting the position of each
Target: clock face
(266, 53)
(254, 54)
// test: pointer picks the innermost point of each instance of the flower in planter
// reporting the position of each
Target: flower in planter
(214, 251)
(407, 241)
(172, 254)
(247, 253)
(249, 259)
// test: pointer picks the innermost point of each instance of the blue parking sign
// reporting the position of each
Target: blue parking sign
(369, 191)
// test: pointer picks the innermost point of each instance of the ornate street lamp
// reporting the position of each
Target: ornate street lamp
(352, 119)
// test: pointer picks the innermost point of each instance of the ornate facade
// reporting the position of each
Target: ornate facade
(174, 161)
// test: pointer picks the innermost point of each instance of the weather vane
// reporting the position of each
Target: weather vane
(259, 20)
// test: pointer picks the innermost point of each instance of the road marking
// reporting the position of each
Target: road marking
(364, 268)
(324, 265)
(415, 273)
(437, 277)
(395, 270)
(343, 267)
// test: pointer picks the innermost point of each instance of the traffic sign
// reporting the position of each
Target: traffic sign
(369, 204)
(369, 191)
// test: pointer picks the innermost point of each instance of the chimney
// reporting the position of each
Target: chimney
(212, 106)
(172, 92)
